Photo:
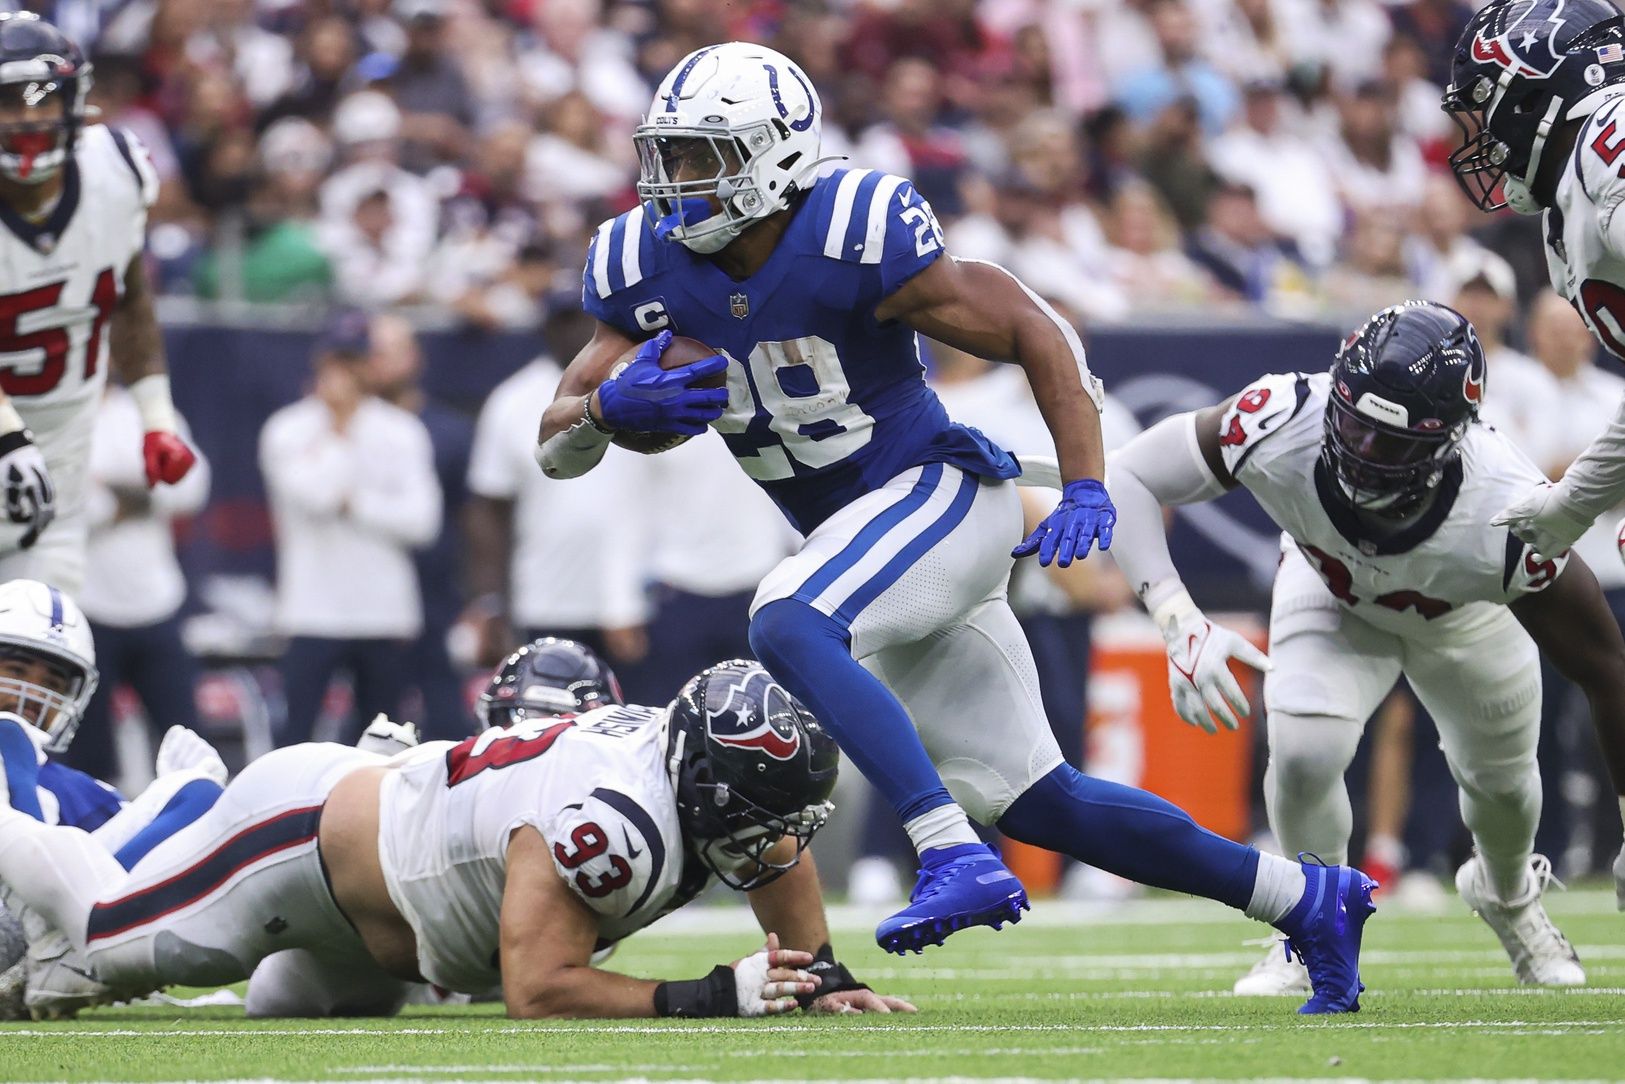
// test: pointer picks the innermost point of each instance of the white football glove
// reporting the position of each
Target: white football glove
(183, 748)
(1199, 678)
(767, 982)
(1541, 519)
(25, 484)
(386, 737)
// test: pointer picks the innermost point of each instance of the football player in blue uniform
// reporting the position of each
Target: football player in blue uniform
(891, 622)
(47, 675)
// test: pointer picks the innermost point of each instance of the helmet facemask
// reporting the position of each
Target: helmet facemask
(47, 691)
(699, 184)
(36, 132)
(732, 836)
(1383, 468)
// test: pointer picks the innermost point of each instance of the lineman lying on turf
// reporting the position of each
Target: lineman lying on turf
(506, 859)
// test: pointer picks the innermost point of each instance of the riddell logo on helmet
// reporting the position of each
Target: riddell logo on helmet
(774, 734)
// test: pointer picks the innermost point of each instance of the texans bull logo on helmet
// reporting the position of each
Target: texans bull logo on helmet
(1529, 50)
(739, 723)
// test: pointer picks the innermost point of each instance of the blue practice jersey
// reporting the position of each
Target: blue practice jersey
(825, 403)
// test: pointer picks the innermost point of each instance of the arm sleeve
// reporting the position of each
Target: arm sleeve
(1161, 467)
(403, 501)
(308, 472)
(1595, 482)
(609, 851)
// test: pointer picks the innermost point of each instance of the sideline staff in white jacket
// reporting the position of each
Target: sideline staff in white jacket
(353, 491)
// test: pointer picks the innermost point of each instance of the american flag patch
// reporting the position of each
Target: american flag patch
(1611, 54)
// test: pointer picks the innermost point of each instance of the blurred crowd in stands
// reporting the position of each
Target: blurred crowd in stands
(1127, 155)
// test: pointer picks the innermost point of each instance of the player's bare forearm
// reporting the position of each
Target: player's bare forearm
(546, 945)
(133, 336)
(984, 310)
(589, 369)
(793, 906)
(1571, 623)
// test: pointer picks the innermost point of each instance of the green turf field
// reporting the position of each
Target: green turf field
(1138, 991)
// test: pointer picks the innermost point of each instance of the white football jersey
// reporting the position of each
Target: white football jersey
(1585, 233)
(1444, 572)
(597, 789)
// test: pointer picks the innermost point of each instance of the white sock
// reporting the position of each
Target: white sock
(58, 871)
(944, 826)
(1280, 885)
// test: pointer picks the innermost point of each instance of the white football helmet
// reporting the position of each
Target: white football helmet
(39, 624)
(730, 137)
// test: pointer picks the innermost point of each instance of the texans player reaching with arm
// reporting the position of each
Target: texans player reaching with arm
(337, 879)
(1384, 484)
(73, 203)
(892, 622)
(1538, 89)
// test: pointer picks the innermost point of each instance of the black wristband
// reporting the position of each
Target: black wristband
(833, 977)
(15, 439)
(714, 995)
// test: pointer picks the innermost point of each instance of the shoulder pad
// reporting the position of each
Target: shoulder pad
(1263, 407)
(1599, 157)
(610, 852)
(864, 216)
(136, 163)
(1524, 573)
(620, 256)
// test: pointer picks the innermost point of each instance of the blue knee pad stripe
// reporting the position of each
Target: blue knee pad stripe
(866, 539)
(940, 528)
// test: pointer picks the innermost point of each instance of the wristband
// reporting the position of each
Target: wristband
(153, 403)
(14, 439)
(714, 995)
(586, 416)
(833, 977)
(1169, 604)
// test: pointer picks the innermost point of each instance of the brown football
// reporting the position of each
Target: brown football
(679, 352)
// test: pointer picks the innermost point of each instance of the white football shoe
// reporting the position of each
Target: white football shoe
(60, 982)
(1276, 975)
(1541, 955)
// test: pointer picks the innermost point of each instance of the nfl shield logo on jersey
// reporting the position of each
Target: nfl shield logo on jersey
(739, 305)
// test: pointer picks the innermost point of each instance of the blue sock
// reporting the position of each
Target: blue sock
(184, 806)
(811, 655)
(21, 762)
(1131, 833)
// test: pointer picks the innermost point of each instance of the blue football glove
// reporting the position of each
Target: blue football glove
(1084, 516)
(648, 399)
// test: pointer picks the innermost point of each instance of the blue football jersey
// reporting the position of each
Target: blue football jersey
(82, 800)
(825, 403)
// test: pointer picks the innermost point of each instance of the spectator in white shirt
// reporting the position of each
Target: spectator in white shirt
(1520, 394)
(551, 557)
(710, 535)
(353, 492)
(134, 587)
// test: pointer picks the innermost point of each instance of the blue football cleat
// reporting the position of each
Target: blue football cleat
(960, 886)
(1323, 931)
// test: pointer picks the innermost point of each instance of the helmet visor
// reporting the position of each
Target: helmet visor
(698, 183)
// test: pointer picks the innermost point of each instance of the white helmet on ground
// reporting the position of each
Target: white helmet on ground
(42, 627)
(730, 137)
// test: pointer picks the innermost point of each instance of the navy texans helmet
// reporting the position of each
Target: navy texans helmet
(44, 80)
(751, 766)
(1522, 68)
(1405, 387)
(547, 678)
